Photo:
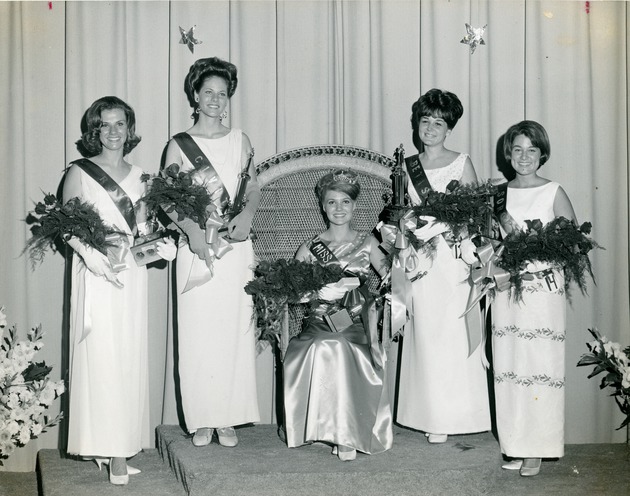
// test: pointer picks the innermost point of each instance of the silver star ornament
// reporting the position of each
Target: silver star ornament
(473, 37)
(188, 38)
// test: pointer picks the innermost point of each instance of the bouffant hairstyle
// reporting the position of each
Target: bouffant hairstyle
(536, 134)
(343, 180)
(90, 143)
(203, 69)
(435, 103)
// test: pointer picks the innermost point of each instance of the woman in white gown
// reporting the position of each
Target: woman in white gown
(442, 389)
(109, 416)
(215, 329)
(528, 336)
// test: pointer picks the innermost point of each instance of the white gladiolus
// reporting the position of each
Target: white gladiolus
(23, 402)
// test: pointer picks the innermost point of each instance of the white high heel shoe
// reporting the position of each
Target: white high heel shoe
(346, 454)
(118, 480)
(105, 461)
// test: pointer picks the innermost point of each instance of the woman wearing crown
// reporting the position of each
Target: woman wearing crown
(334, 387)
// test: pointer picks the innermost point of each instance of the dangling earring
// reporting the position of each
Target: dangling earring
(197, 110)
(224, 115)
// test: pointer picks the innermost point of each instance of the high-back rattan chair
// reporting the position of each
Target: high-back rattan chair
(289, 211)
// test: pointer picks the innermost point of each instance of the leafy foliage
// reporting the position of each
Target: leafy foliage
(465, 208)
(179, 192)
(285, 281)
(53, 221)
(560, 243)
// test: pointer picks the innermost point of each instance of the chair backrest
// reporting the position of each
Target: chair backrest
(289, 212)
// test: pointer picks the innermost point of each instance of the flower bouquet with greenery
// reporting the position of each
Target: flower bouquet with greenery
(53, 221)
(286, 281)
(180, 192)
(614, 362)
(26, 391)
(561, 244)
(465, 210)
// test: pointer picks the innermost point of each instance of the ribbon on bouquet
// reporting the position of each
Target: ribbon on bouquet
(218, 246)
(406, 260)
(360, 301)
(200, 271)
(485, 275)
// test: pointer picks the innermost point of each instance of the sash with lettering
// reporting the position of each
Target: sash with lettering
(500, 208)
(212, 181)
(418, 176)
(199, 273)
(118, 252)
(360, 295)
(117, 194)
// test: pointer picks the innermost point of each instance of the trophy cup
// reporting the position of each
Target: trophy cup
(144, 249)
(241, 188)
(392, 212)
(398, 178)
(239, 200)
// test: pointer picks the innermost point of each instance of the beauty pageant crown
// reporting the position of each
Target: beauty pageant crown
(343, 176)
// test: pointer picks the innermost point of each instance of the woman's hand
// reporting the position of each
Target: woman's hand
(240, 226)
(332, 292)
(99, 265)
(431, 229)
(468, 251)
(167, 249)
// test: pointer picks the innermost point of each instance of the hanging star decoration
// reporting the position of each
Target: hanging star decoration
(188, 38)
(473, 37)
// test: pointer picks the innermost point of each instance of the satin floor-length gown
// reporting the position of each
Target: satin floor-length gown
(332, 390)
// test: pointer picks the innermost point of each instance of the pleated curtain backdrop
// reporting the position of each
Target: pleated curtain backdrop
(319, 72)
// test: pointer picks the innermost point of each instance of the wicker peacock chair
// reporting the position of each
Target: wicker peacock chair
(289, 212)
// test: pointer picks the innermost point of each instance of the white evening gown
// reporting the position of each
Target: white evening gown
(109, 393)
(215, 330)
(442, 390)
(528, 348)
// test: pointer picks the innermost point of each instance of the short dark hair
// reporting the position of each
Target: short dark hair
(343, 180)
(536, 134)
(203, 69)
(435, 103)
(90, 143)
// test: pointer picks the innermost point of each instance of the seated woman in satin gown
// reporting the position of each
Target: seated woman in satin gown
(334, 382)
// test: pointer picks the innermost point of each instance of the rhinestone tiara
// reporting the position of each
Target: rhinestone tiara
(344, 177)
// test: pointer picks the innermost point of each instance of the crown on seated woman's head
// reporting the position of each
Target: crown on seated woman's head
(345, 176)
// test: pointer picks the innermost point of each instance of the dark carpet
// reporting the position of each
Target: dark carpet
(262, 465)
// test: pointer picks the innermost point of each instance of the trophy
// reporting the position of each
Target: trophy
(396, 208)
(144, 249)
(241, 188)
(398, 178)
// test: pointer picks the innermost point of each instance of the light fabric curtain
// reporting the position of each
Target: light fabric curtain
(315, 72)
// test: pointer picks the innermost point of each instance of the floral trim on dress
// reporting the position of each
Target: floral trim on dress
(527, 381)
(529, 334)
(538, 286)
